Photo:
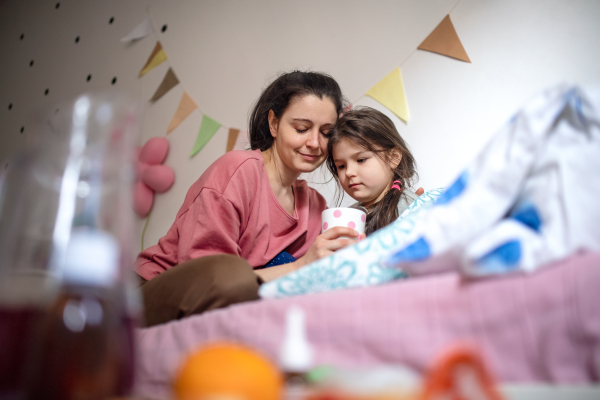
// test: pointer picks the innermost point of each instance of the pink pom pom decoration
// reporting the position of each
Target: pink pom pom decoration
(143, 197)
(160, 178)
(151, 176)
(155, 151)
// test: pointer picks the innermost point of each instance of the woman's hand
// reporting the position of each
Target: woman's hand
(328, 242)
(325, 244)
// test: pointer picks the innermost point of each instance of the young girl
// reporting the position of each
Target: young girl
(372, 163)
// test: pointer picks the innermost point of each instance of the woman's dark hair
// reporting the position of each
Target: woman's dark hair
(278, 96)
(374, 131)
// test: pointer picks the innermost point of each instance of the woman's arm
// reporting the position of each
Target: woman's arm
(324, 245)
(272, 273)
(211, 226)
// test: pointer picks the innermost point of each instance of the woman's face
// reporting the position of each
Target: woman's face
(300, 134)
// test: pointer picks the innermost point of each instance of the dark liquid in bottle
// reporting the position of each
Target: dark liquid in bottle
(83, 350)
(16, 326)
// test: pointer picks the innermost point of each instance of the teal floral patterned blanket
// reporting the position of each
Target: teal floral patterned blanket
(354, 266)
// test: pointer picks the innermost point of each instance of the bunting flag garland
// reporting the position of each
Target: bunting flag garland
(185, 108)
(231, 139)
(157, 57)
(390, 92)
(141, 31)
(444, 40)
(168, 83)
(207, 130)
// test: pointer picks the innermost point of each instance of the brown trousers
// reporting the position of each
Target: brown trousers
(197, 286)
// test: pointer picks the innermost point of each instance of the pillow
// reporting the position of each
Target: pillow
(354, 266)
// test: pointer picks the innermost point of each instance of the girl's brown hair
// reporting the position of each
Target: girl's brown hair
(374, 131)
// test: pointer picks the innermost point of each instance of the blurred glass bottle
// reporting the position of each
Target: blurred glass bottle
(66, 298)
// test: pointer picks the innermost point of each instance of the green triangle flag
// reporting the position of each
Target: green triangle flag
(390, 92)
(208, 128)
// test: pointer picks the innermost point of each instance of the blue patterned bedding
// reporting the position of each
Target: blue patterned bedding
(354, 266)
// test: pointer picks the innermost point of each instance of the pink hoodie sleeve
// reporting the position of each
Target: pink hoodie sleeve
(212, 226)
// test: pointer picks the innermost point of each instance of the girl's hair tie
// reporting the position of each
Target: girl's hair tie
(397, 185)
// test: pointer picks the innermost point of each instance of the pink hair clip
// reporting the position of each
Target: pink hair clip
(397, 185)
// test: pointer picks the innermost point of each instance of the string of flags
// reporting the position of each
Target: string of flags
(389, 91)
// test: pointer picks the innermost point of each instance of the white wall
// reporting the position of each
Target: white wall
(225, 52)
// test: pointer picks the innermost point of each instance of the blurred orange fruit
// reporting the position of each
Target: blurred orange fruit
(228, 371)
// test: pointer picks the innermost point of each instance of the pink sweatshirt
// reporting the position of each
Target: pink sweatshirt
(232, 209)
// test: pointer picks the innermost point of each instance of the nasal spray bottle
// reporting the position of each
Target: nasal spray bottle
(296, 357)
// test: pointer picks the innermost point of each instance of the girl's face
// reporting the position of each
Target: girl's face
(363, 175)
(300, 134)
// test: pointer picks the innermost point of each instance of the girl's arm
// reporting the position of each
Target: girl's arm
(324, 245)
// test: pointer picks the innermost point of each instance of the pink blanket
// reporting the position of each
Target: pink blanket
(543, 327)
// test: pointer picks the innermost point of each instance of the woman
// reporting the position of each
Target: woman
(248, 209)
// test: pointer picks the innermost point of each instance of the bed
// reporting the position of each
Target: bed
(542, 327)
(532, 311)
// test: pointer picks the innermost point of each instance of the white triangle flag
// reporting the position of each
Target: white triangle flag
(141, 31)
(242, 142)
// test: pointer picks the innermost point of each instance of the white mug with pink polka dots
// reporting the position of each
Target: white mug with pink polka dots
(350, 217)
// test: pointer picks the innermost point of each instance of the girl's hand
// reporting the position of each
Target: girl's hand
(328, 242)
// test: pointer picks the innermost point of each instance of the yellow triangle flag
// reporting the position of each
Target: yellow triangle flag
(444, 40)
(157, 57)
(185, 108)
(390, 92)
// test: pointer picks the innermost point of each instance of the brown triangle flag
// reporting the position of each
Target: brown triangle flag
(168, 82)
(233, 134)
(444, 40)
(185, 108)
